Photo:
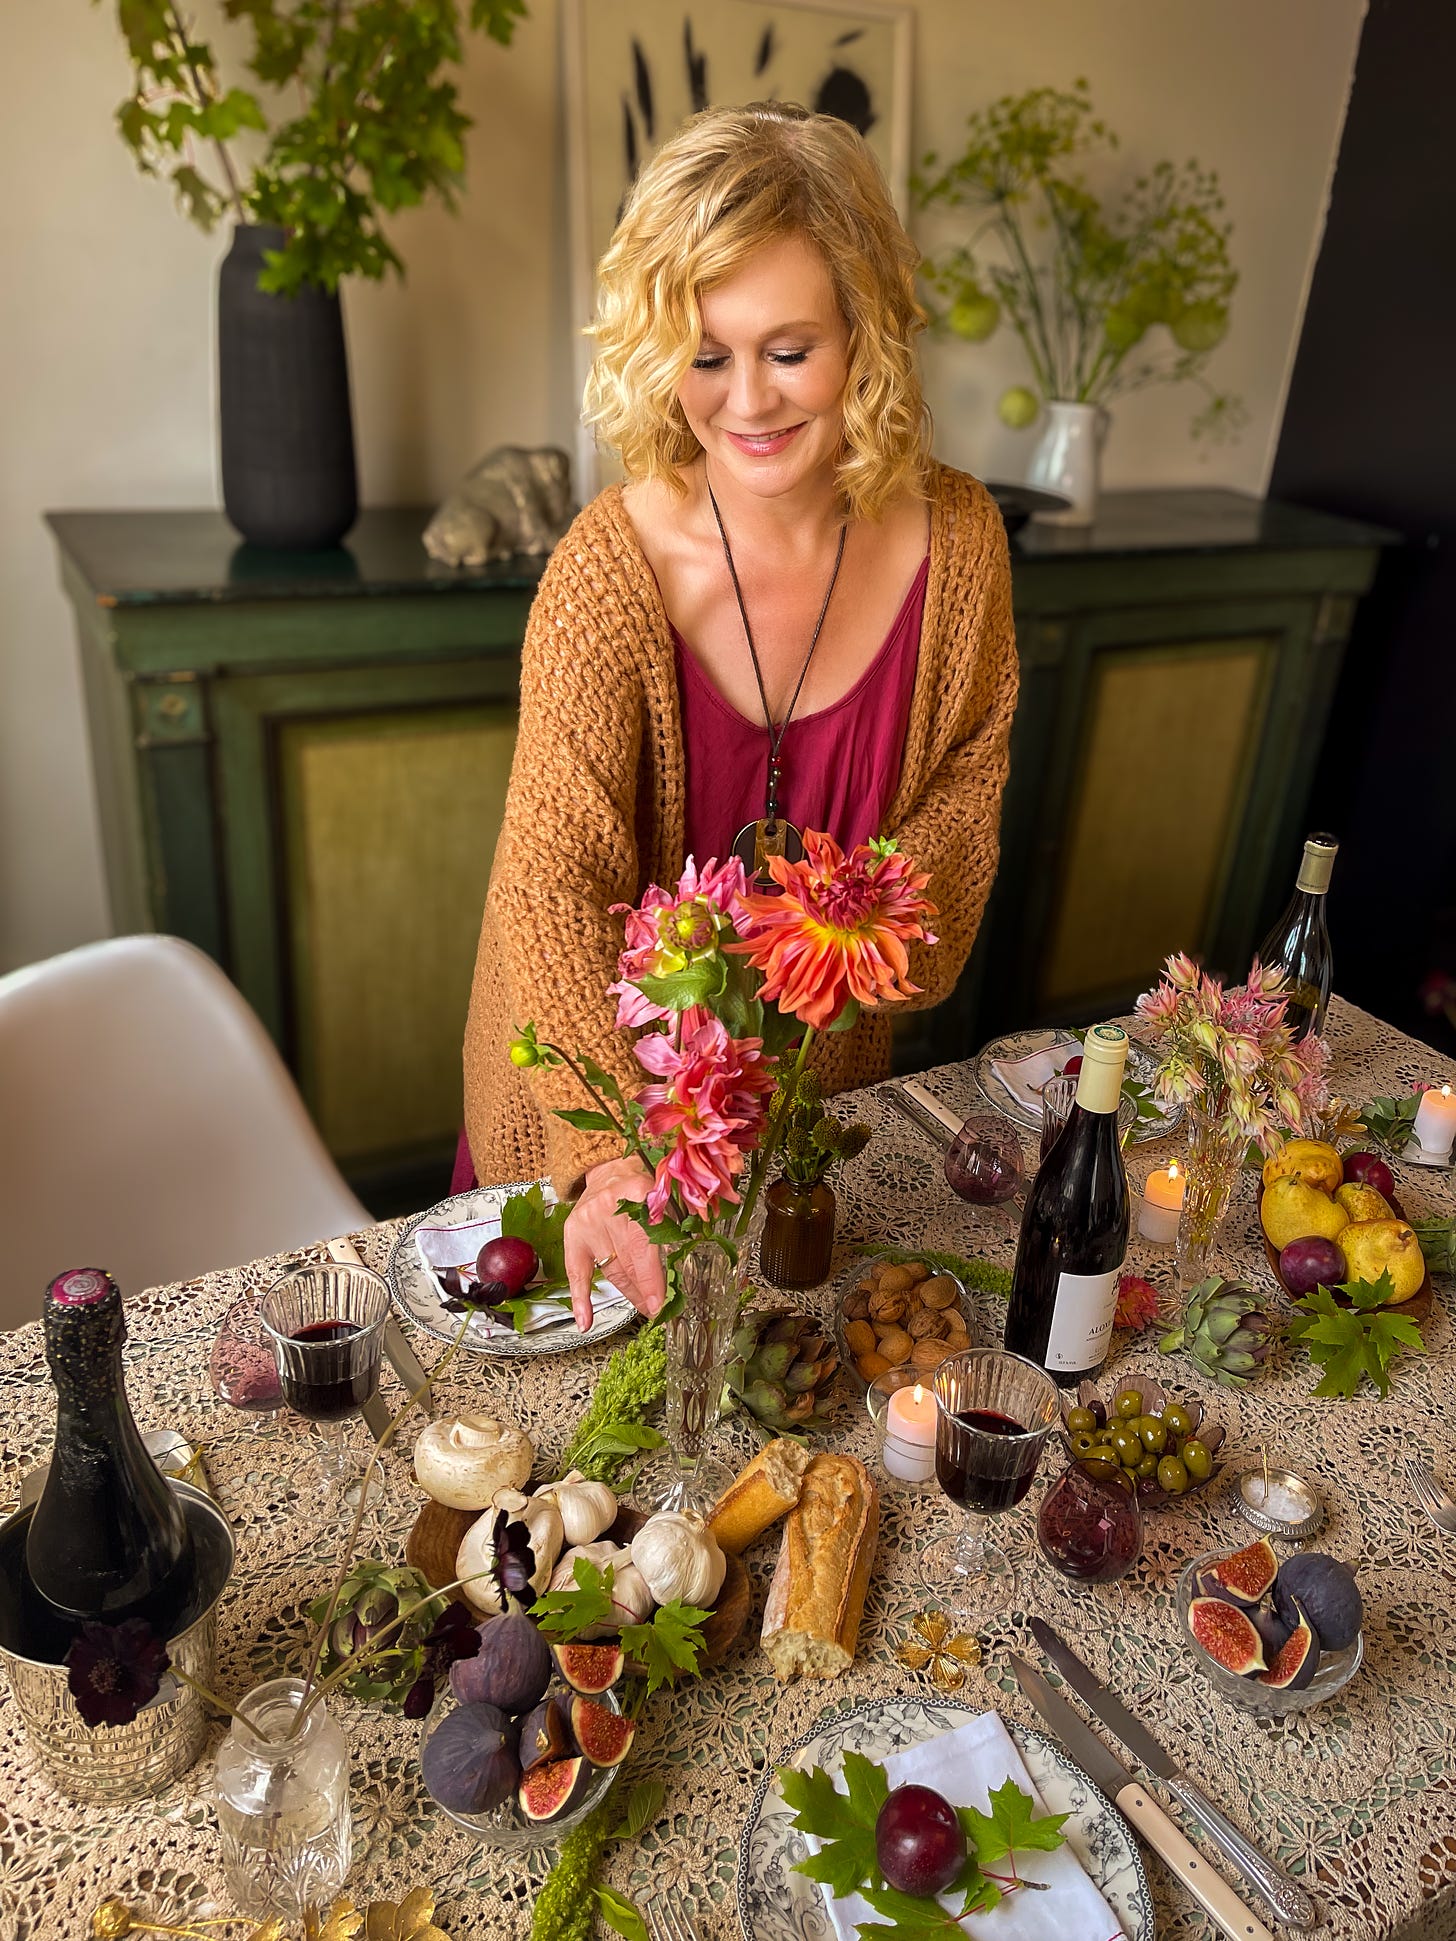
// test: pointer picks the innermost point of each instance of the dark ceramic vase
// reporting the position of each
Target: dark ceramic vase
(798, 1234)
(283, 395)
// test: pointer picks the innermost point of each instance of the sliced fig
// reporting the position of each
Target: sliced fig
(1296, 1662)
(1226, 1635)
(545, 1735)
(589, 1668)
(1249, 1573)
(546, 1792)
(604, 1736)
(1326, 1592)
(1273, 1631)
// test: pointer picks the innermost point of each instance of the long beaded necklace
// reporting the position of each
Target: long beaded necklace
(772, 834)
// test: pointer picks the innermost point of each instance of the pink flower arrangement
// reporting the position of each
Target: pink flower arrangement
(708, 1113)
(1229, 1054)
(669, 930)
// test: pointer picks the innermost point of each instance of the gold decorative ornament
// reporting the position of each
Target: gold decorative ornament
(412, 1919)
(931, 1647)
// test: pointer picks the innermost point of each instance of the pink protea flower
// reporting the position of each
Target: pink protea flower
(838, 930)
(709, 1110)
(669, 928)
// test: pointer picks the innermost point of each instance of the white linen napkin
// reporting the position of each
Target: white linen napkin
(1025, 1077)
(966, 1765)
(457, 1247)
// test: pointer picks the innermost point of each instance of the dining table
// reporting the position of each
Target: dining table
(1356, 1798)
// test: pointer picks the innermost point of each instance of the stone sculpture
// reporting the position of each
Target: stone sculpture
(514, 501)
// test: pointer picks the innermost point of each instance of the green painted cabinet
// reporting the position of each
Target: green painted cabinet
(301, 761)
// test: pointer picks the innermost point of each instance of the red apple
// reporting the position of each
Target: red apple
(1369, 1169)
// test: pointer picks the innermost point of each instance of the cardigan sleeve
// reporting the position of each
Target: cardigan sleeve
(567, 848)
(953, 830)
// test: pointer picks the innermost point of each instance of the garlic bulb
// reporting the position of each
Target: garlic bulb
(631, 1599)
(586, 1508)
(477, 1549)
(679, 1558)
(462, 1460)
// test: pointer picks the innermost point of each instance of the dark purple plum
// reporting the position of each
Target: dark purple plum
(1369, 1169)
(1305, 1265)
(504, 1268)
(919, 1842)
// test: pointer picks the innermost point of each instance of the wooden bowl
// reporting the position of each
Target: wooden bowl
(1417, 1307)
(433, 1543)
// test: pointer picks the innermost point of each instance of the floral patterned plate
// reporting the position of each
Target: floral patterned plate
(776, 1904)
(1142, 1069)
(417, 1293)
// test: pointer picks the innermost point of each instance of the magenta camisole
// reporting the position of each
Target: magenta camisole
(840, 767)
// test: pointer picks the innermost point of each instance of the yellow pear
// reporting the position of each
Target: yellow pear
(1292, 1209)
(1375, 1247)
(1308, 1159)
(1362, 1202)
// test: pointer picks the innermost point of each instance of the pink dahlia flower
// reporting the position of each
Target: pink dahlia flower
(669, 928)
(708, 1110)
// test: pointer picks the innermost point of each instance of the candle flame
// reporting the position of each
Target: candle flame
(1172, 1169)
(1445, 1091)
(919, 1393)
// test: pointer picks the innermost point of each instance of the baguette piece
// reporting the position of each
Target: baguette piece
(759, 1495)
(816, 1598)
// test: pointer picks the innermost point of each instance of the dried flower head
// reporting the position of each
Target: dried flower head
(115, 1669)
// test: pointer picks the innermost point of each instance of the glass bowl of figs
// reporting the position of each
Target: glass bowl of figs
(526, 1738)
(1272, 1637)
(1167, 1447)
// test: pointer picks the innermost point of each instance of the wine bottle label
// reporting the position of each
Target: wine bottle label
(1081, 1321)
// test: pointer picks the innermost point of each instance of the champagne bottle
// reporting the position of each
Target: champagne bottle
(108, 1539)
(1298, 946)
(1074, 1230)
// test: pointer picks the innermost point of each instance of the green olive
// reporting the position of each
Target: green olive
(1151, 1433)
(1197, 1459)
(1172, 1475)
(1083, 1444)
(1129, 1448)
(1148, 1466)
(1081, 1421)
(1177, 1421)
(1129, 1406)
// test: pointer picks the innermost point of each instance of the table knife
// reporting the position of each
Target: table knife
(1288, 1900)
(402, 1358)
(1209, 1888)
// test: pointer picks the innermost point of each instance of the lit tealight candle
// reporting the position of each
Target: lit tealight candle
(1435, 1126)
(910, 1434)
(1162, 1204)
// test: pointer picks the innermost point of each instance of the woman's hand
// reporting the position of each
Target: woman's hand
(599, 1239)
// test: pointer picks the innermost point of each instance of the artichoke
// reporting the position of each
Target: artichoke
(371, 1597)
(1224, 1330)
(781, 1368)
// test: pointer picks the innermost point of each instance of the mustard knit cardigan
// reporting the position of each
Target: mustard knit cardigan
(595, 813)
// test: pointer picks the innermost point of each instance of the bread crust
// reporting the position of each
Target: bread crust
(816, 1599)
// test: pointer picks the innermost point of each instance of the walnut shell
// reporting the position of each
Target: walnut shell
(955, 1326)
(888, 1305)
(894, 1279)
(856, 1305)
(917, 1270)
(871, 1365)
(929, 1354)
(895, 1346)
(859, 1337)
(924, 1322)
(938, 1291)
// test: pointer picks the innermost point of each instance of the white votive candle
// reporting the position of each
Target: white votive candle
(910, 1434)
(1162, 1204)
(1435, 1126)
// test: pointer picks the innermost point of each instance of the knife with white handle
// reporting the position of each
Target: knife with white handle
(1287, 1899)
(402, 1358)
(1208, 1887)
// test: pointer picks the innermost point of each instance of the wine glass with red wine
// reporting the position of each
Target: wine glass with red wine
(983, 1163)
(993, 1414)
(326, 1325)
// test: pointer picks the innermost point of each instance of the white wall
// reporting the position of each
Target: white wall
(106, 386)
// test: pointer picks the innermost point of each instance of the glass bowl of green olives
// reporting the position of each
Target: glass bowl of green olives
(1166, 1447)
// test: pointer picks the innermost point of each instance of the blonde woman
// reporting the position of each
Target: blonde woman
(789, 617)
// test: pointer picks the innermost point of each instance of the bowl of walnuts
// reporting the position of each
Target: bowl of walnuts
(899, 1313)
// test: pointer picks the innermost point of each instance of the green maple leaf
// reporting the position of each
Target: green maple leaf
(527, 1216)
(668, 1647)
(1351, 1343)
(908, 1914)
(567, 1614)
(843, 1821)
(1012, 1826)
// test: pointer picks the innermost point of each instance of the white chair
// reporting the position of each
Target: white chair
(148, 1126)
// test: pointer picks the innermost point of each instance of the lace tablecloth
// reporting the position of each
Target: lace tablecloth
(1358, 1797)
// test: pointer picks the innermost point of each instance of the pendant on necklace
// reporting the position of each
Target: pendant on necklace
(757, 841)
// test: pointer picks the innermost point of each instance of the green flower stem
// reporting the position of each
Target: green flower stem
(771, 1139)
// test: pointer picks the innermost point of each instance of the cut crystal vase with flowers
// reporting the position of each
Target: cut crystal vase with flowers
(1230, 1057)
(728, 986)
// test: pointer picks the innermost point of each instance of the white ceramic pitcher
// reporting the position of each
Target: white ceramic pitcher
(1066, 460)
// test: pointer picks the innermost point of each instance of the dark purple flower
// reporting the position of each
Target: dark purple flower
(453, 1635)
(420, 1696)
(115, 1669)
(515, 1562)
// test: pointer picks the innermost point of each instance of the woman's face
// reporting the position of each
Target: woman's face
(764, 394)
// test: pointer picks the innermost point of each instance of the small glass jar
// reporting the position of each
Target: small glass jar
(1089, 1525)
(797, 1245)
(283, 1804)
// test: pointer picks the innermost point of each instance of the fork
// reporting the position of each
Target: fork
(667, 1920)
(1437, 1502)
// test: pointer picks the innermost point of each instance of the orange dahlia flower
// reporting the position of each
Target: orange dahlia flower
(836, 932)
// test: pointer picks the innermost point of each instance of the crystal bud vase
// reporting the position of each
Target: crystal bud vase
(684, 1475)
(283, 1804)
(1214, 1160)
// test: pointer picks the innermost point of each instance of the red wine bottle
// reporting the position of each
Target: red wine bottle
(1074, 1230)
(108, 1539)
(1298, 946)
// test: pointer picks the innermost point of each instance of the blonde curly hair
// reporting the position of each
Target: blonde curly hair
(731, 180)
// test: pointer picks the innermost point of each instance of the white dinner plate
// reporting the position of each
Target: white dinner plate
(777, 1904)
(1142, 1069)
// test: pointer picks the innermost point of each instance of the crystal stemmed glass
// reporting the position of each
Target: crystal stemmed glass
(326, 1325)
(984, 1165)
(993, 1414)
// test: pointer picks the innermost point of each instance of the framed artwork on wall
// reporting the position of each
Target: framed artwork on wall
(636, 69)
